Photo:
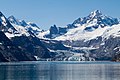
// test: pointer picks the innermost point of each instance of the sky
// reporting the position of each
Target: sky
(46, 13)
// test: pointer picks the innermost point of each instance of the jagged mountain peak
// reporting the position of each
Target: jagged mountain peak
(96, 13)
(54, 25)
(19, 22)
(53, 29)
(89, 27)
(96, 19)
(24, 27)
(13, 20)
(5, 25)
(16, 21)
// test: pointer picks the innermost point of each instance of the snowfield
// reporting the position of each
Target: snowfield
(80, 34)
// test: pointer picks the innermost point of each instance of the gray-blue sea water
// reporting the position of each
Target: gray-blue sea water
(60, 71)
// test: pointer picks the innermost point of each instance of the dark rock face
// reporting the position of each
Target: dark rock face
(11, 52)
(55, 32)
(32, 45)
(54, 45)
(108, 50)
(95, 42)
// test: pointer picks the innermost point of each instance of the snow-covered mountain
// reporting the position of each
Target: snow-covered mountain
(23, 27)
(96, 19)
(90, 27)
(5, 25)
(95, 31)
(93, 35)
(86, 28)
(18, 42)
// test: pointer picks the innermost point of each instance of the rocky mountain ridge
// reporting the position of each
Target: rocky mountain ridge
(95, 36)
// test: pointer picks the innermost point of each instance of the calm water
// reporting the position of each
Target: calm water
(60, 71)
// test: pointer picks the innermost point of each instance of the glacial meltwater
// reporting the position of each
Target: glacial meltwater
(60, 71)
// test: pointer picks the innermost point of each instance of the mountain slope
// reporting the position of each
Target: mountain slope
(11, 52)
(32, 45)
(22, 44)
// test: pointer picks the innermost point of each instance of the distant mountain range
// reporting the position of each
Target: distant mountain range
(94, 37)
